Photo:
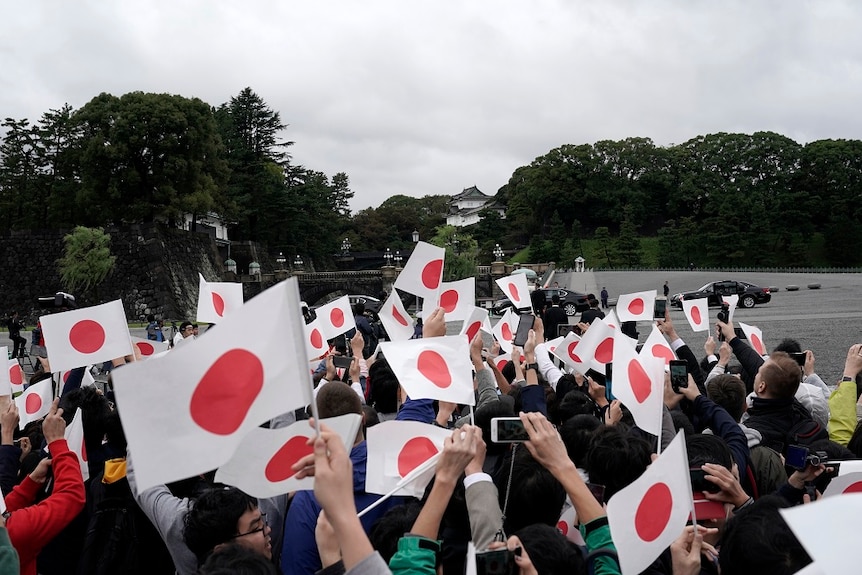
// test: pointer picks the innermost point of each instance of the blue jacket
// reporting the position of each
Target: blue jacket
(299, 552)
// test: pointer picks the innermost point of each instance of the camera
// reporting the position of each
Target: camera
(59, 300)
(497, 562)
(799, 457)
(724, 313)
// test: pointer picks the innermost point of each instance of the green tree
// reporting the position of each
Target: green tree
(86, 260)
(604, 250)
(628, 245)
(461, 252)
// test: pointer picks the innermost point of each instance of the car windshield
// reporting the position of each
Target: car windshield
(706, 287)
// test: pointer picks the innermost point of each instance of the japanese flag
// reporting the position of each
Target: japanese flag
(398, 323)
(16, 377)
(569, 353)
(648, 515)
(423, 272)
(755, 337)
(75, 438)
(639, 384)
(35, 402)
(261, 465)
(656, 346)
(86, 336)
(187, 411)
(697, 313)
(86, 380)
(825, 529)
(597, 345)
(504, 330)
(501, 360)
(515, 288)
(217, 299)
(397, 448)
(458, 299)
(336, 318)
(554, 343)
(478, 320)
(433, 368)
(315, 343)
(731, 301)
(149, 348)
(568, 524)
(636, 306)
(848, 483)
(611, 319)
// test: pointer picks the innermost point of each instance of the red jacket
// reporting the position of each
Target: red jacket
(31, 527)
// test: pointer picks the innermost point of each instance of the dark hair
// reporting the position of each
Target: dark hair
(184, 325)
(555, 299)
(212, 519)
(337, 398)
(788, 345)
(495, 408)
(550, 552)
(576, 433)
(151, 317)
(707, 448)
(371, 417)
(855, 443)
(535, 496)
(616, 457)
(384, 387)
(781, 375)
(576, 403)
(681, 421)
(358, 308)
(757, 540)
(392, 526)
(835, 452)
(236, 559)
(729, 392)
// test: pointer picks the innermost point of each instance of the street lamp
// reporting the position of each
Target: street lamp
(280, 260)
(398, 259)
(297, 261)
(415, 236)
(498, 253)
(345, 246)
(456, 244)
(388, 257)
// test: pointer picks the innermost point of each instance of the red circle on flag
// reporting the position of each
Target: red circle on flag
(641, 383)
(757, 343)
(853, 488)
(695, 315)
(336, 317)
(653, 512)
(33, 403)
(563, 527)
(571, 351)
(501, 364)
(432, 273)
(506, 331)
(399, 318)
(636, 306)
(513, 291)
(83, 450)
(449, 300)
(473, 330)
(218, 304)
(662, 352)
(414, 453)
(66, 375)
(87, 336)
(316, 339)
(145, 348)
(15, 375)
(279, 467)
(433, 366)
(227, 391)
(605, 351)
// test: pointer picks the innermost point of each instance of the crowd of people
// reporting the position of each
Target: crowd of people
(742, 413)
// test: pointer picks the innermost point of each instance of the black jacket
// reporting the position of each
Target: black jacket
(783, 422)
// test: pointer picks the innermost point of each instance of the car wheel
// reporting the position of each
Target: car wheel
(570, 309)
(748, 301)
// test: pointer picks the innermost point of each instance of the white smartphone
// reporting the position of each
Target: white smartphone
(508, 430)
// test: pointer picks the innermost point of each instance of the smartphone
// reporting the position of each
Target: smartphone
(598, 492)
(660, 308)
(508, 430)
(609, 377)
(525, 324)
(678, 374)
(342, 361)
(496, 562)
(796, 457)
(699, 483)
(565, 329)
(799, 356)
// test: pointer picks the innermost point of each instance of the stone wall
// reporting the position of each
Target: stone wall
(156, 270)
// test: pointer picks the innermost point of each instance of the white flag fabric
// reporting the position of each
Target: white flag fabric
(16, 377)
(75, 438)
(568, 524)
(639, 384)
(844, 484)
(261, 465)
(186, 412)
(656, 346)
(86, 336)
(315, 342)
(648, 515)
(611, 320)
(552, 345)
(397, 322)
(697, 313)
(433, 367)
(478, 320)
(458, 299)
(824, 527)
(423, 272)
(5, 374)
(731, 301)
(504, 330)
(636, 306)
(597, 345)
(501, 360)
(755, 337)
(217, 299)
(516, 288)
(397, 448)
(35, 402)
(148, 348)
(569, 354)
(87, 380)
(336, 318)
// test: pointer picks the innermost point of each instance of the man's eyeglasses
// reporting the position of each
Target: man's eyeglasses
(263, 525)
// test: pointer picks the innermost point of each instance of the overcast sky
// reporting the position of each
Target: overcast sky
(430, 97)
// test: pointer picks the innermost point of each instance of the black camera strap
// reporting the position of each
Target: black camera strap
(501, 535)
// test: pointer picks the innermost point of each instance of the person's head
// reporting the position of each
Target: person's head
(384, 387)
(728, 391)
(575, 402)
(392, 526)
(369, 416)
(95, 411)
(615, 458)
(778, 377)
(195, 329)
(555, 299)
(788, 345)
(681, 422)
(151, 318)
(535, 496)
(705, 448)
(358, 308)
(550, 552)
(576, 432)
(234, 559)
(337, 398)
(186, 329)
(225, 515)
(758, 540)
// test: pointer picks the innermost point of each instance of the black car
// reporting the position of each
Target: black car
(572, 302)
(749, 294)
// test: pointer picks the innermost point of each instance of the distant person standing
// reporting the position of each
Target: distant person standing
(594, 313)
(604, 296)
(666, 289)
(15, 327)
(553, 318)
